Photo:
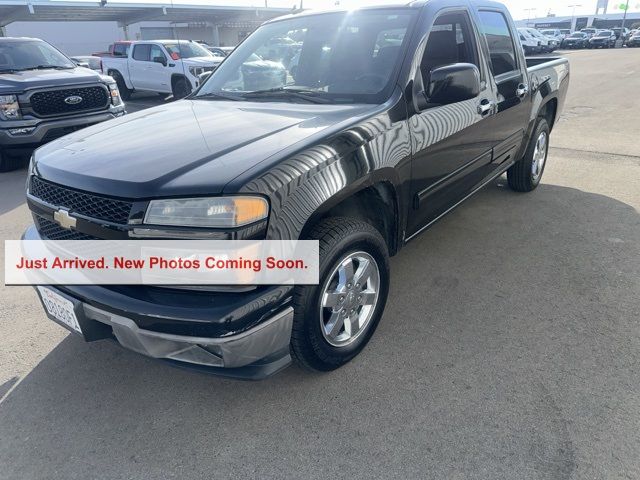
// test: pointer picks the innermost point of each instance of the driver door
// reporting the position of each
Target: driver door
(158, 73)
(451, 151)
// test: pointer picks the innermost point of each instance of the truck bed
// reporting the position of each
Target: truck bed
(538, 62)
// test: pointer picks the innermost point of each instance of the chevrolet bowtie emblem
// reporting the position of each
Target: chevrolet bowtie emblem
(63, 219)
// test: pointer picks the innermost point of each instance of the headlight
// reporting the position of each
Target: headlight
(29, 173)
(195, 71)
(9, 108)
(115, 94)
(220, 212)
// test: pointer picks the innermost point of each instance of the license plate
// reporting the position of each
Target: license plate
(60, 308)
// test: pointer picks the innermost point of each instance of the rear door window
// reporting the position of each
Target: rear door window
(496, 30)
(121, 49)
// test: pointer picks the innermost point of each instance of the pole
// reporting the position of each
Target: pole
(573, 15)
(529, 10)
(624, 18)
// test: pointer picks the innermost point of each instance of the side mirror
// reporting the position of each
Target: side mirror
(453, 83)
(82, 64)
(161, 60)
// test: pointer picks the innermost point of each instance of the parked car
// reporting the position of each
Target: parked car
(621, 33)
(554, 34)
(530, 44)
(576, 40)
(117, 49)
(221, 51)
(163, 66)
(589, 32)
(546, 44)
(603, 39)
(634, 40)
(88, 61)
(44, 95)
(363, 151)
(565, 32)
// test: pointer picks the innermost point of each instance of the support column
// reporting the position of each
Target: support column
(215, 37)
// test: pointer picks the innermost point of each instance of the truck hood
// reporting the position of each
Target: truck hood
(189, 147)
(18, 82)
(202, 61)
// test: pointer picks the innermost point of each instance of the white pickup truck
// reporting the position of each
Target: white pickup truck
(163, 66)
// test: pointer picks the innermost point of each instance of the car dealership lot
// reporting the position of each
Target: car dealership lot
(510, 347)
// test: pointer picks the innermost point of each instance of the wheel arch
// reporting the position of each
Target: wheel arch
(548, 111)
(112, 71)
(179, 76)
(375, 202)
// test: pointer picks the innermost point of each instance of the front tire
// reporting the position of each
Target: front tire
(335, 319)
(181, 88)
(525, 175)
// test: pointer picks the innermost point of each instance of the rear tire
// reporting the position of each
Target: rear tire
(525, 174)
(181, 88)
(334, 320)
(125, 93)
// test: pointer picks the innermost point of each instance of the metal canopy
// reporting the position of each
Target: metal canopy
(128, 13)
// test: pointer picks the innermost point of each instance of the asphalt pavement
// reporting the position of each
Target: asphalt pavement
(509, 349)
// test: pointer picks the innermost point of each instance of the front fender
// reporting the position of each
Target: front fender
(373, 151)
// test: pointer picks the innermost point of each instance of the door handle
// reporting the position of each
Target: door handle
(522, 90)
(485, 107)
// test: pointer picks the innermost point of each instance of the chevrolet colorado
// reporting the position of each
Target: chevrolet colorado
(393, 116)
(44, 95)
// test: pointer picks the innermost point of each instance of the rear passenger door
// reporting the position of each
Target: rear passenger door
(451, 152)
(507, 127)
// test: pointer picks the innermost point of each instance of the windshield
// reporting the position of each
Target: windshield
(347, 57)
(30, 55)
(576, 35)
(186, 50)
(605, 33)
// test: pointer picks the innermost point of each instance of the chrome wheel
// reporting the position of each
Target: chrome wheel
(539, 156)
(349, 298)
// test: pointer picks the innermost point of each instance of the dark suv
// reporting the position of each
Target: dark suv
(45, 95)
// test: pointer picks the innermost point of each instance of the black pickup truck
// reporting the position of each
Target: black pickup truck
(44, 95)
(392, 117)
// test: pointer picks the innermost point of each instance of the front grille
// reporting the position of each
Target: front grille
(88, 204)
(52, 102)
(52, 231)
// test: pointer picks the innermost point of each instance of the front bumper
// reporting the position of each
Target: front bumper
(43, 131)
(254, 354)
(242, 334)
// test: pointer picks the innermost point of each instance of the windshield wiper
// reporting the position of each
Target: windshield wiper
(303, 94)
(45, 67)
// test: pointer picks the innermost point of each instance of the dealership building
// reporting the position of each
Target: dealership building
(80, 28)
(604, 20)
